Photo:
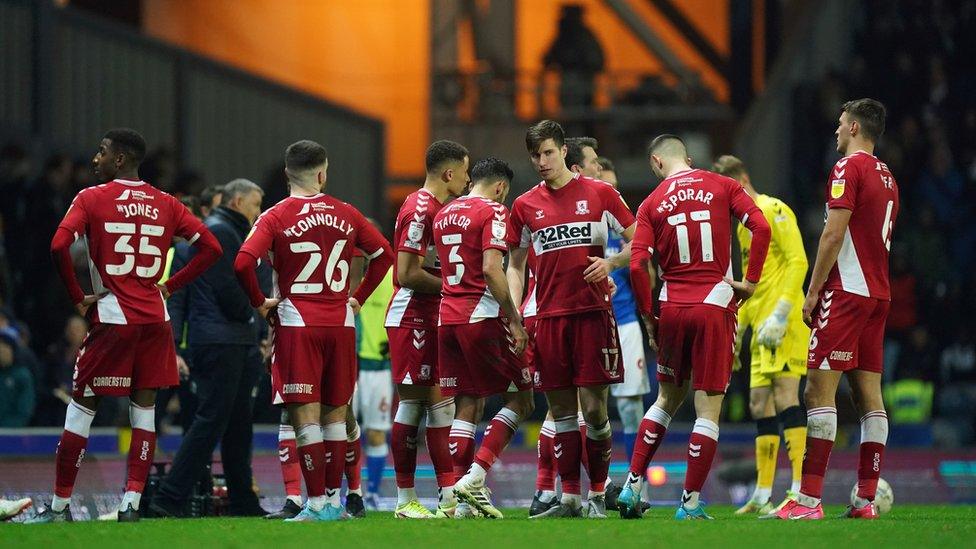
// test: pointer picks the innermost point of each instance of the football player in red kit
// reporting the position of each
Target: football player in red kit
(128, 225)
(687, 223)
(847, 305)
(311, 238)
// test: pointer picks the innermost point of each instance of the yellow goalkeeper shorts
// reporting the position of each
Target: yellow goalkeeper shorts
(789, 359)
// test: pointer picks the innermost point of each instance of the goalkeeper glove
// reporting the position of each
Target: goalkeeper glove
(773, 329)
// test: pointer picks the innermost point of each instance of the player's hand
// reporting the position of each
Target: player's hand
(164, 290)
(613, 286)
(266, 347)
(650, 323)
(519, 337)
(182, 367)
(269, 306)
(354, 304)
(809, 304)
(87, 302)
(598, 269)
(773, 329)
(742, 290)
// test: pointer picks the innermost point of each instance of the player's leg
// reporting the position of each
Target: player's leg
(305, 419)
(377, 449)
(403, 440)
(599, 438)
(786, 396)
(71, 451)
(702, 446)
(762, 409)
(819, 397)
(376, 399)
(461, 443)
(291, 473)
(629, 394)
(650, 435)
(142, 447)
(631, 411)
(567, 448)
(353, 470)
(440, 416)
(545, 477)
(866, 388)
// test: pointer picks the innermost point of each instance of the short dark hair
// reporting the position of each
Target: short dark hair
(574, 149)
(209, 192)
(540, 131)
(128, 142)
(729, 166)
(606, 164)
(869, 114)
(304, 155)
(442, 151)
(666, 143)
(491, 169)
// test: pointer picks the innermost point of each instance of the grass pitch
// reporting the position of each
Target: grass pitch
(914, 526)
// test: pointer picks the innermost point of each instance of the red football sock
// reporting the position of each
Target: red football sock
(440, 454)
(461, 445)
(584, 456)
(141, 450)
(71, 448)
(497, 436)
(311, 448)
(545, 479)
(567, 449)
(598, 454)
(334, 444)
(291, 472)
(649, 437)
(354, 460)
(874, 435)
(403, 445)
(701, 452)
(821, 430)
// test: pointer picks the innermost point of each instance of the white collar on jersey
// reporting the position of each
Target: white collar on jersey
(314, 196)
(129, 182)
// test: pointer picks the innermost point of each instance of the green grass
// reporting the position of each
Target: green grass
(914, 526)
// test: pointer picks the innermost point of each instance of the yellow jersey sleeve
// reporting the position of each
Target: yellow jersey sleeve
(788, 241)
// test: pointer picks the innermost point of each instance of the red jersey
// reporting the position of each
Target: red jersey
(463, 231)
(311, 240)
(564, 227)
(413, 233)
(129, 226)
(863, 184)
(687, 221)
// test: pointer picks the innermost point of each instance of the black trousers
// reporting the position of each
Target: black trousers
(225, 377)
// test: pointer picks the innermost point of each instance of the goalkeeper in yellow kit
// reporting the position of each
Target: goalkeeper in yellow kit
(779, 341)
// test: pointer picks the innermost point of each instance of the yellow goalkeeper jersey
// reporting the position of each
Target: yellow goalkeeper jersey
(782, 278)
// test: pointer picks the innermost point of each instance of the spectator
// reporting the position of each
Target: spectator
(210, 198)
(16, 383)
(59, 367)
(958, 361)
(577, 54)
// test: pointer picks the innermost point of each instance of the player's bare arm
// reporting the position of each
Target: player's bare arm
(495, 278)
(516, 272)
(600, 268)
(827, 251)
(411, 274)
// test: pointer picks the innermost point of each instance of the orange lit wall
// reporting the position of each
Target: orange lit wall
(368, 55)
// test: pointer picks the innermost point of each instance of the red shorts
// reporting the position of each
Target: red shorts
(476, 360)
(413, 356)
(313, 364)
(697, 342)
(116, 359)
(848, 332)
(576, 350)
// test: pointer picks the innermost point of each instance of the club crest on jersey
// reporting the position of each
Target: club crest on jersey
(837, 188)
(425, 371)
(582, 207)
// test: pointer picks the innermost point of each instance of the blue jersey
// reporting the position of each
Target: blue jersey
(624, 308)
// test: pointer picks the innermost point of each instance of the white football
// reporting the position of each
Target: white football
(884, 498)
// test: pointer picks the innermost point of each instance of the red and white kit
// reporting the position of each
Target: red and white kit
(128, 227)
(849, 321)
(310, 241)
(564, 227)
(476, 356)
(411, 321)
(687, 222)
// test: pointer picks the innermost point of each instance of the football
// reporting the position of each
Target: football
(884, 498)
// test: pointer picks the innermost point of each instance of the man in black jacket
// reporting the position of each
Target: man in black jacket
(223, 336)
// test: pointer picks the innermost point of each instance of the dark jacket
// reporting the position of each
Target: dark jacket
(215, 308)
